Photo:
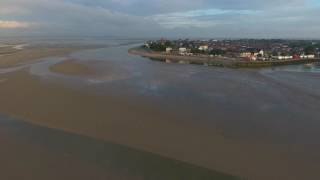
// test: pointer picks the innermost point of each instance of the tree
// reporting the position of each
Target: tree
(196, 51)
(217, 52)
(275, 53)
(168, 44)
(284, 54)
(310, 50)
(157, 47)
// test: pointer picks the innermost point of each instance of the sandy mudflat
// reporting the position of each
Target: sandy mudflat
(72, 67)
(141, 125)
(6, 50)
(32, 152)
(144, 124)
(10, 58)
(23, 160)
(107, 118)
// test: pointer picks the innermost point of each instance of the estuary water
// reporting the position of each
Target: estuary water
(273, 103)
(255, 123)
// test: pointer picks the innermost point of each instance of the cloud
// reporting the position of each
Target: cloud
(13, 25)
(201, 18)
(151, 7)
(137, 18)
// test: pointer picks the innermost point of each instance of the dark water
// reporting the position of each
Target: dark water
(124, 162)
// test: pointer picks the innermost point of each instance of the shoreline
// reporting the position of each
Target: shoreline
(214, 61)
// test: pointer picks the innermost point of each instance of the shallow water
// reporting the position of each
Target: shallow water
(270, 104)
(298, 68)
(261, 107)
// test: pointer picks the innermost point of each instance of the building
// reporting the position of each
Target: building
(282, 57)
(296, 56)
(182, 51)
(253, 55)
(245, 54)
(147, 45)
(261, 52)
(311, 56)
(168, 50)
(204, 48)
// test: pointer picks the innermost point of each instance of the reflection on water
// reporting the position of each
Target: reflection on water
(313, 68)
(271, 103)
(258, 107)
(126, 162)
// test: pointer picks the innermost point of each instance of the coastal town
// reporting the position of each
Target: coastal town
(246, 49)
(242, 52)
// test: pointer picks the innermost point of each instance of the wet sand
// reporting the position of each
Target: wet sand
(33, 152)
(5, 50)
(149, 125)
(72, 67)
(13, 57)
(142, 127)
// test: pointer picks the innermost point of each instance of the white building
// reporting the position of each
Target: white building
(168, 50)
(245, 54)
(312, 56)
(147, 45)
(182, 51)
(204, 48)
(261, 52)
(252, 55)
(283, 57)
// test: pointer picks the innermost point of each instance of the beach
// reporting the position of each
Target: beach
(169, 112)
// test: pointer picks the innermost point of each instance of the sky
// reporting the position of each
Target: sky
(162, 18)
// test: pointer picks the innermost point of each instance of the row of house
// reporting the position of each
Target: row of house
(251, 50)
(253, 55)
(185, 51)
(180, 51)
(311, 56)
(260, 55)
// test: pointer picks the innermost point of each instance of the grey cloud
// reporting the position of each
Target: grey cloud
(234, 18)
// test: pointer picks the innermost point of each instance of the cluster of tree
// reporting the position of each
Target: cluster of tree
(308, 47)
(197, 51)
(217, 52)
(158, 47)
(168, 44)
